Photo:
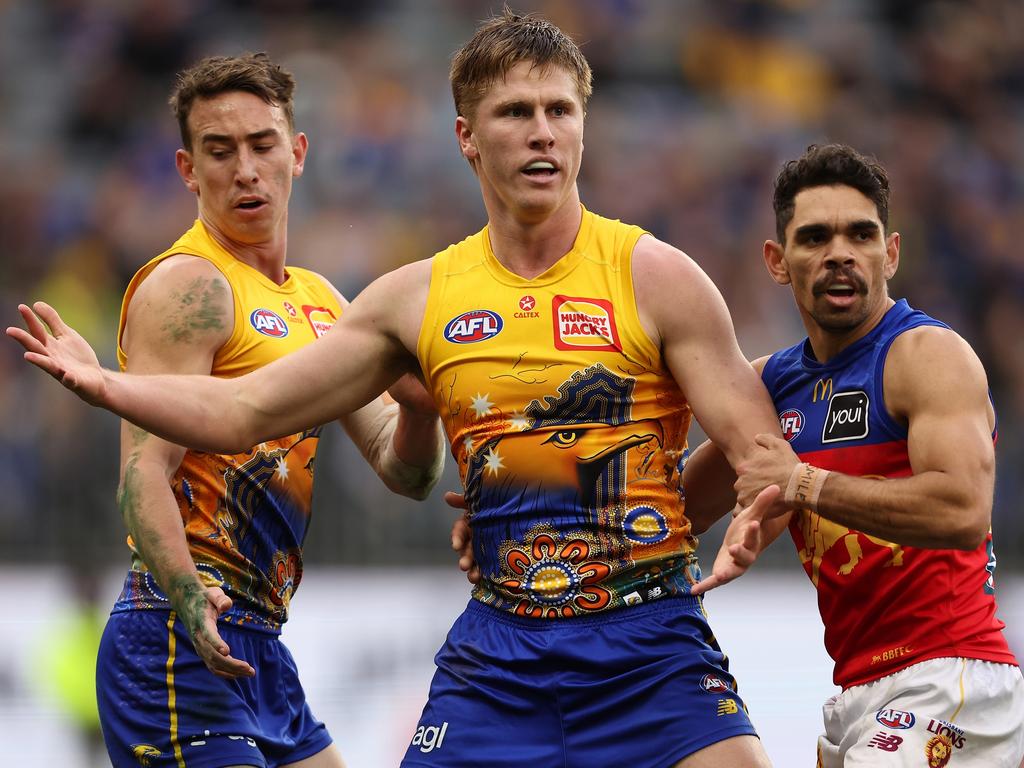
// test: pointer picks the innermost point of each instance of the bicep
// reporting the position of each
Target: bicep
(178, 318)
(935, 383)
(700, 349)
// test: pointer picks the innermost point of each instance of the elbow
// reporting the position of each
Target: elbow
(976, 522)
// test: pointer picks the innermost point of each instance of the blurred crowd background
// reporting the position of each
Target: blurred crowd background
(696, 105)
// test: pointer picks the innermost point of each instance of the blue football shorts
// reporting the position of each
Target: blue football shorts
(641, 687)
(161, 707)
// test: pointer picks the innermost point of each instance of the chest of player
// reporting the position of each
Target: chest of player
(837, 419)
(269, 326)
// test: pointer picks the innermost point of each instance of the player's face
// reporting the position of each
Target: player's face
(241, 165)
(525, 141)
(837, 258)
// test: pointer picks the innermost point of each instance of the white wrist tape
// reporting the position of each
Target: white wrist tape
(805, 483)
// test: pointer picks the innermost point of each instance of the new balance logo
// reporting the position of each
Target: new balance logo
(887, 742)
(727, 707)
(429, 737)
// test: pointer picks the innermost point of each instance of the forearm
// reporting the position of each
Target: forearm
(405, 449)
(201, 412)
(707, 481)
(152, 518)
(931, 509)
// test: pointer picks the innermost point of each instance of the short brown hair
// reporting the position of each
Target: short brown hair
(825, 165)
(506, 40)
(251, 72)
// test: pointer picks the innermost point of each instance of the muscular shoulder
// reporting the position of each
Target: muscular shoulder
(934, 367)
(671, 290)
(182, 309)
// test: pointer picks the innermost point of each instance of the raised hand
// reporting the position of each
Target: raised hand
(462, 537)
(742, 543)
(61, 351)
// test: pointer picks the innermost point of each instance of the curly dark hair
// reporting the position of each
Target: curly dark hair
(827, 165)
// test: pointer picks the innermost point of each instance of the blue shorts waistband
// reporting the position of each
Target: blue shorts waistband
(623, 613)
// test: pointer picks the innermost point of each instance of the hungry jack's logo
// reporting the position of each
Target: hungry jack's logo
(321, 319)
(585, 324)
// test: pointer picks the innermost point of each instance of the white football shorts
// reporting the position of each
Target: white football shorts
(962, 712)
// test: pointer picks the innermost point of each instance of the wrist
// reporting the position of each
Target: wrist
(804, 486)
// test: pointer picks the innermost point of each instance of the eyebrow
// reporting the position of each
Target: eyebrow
(213, 138)
(859, 225)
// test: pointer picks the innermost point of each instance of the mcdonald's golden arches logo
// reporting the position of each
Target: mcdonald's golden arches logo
(822, 390)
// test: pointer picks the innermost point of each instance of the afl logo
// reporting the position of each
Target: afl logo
(792, 423)
(268, 323)
(896, 719)
(713, 684)
(472, 326)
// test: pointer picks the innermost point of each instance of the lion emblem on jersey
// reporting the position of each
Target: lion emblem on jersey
(938, 751)
(821, 536)
(145, 753)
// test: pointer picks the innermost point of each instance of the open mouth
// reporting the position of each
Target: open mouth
(250, 205)
(540, 169)
(840, 291)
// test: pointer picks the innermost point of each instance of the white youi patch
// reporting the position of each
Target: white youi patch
(847, 417)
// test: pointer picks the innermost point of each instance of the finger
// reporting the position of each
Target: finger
(767, 497)
(764, 440)
(50, 317)
(47, 364)
(474, 575)
(27, 340)
(454, 499)
(230, 667)
(705, 584)
(752, 535)
(742, 556)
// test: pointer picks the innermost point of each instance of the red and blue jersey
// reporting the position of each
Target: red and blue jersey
(884, 606)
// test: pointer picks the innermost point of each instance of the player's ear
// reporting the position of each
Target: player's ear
(300, 145)
(467, 140)
(775, 260)
(186, 169)
(892, 254)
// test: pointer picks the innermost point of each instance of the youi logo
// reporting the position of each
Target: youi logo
(475, 325)
(269, 323)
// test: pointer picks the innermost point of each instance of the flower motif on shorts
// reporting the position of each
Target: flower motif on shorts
(938, 751)
(555, 578)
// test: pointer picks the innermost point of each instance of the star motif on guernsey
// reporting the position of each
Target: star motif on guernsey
(480, 404)
(492, 462)
(282, 468)
(519, 422)
(467, 443)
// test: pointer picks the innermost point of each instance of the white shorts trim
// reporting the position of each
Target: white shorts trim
(963, 712)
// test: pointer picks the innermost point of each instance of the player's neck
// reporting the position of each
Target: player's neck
(265, 256)
(529, 248)
(826, 344)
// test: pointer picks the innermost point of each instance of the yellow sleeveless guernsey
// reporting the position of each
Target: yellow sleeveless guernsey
(245, 515)
(568, 430)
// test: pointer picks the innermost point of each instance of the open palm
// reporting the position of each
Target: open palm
(60, 351)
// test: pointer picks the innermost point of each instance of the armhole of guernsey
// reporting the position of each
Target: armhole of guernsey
(630, 312)
(142, 274)
(428, 328)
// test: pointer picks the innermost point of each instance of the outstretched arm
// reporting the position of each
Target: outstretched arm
(365, 352)
(935, 384)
